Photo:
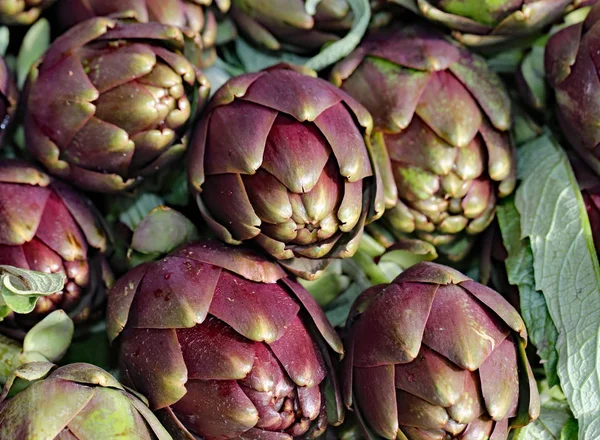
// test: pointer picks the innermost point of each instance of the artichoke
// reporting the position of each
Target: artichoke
(111, 102)
(571, 69)
(47, 227)
(224, 345)
(291, 23)
(194, 17)
(490, 23)
(443, 117)
(8, 99)
(283, 159)
(22, 12)
(77, 401)
(435, 355)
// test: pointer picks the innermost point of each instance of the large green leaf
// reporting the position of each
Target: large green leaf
(519, 267)
(20, 288)
(566, 270)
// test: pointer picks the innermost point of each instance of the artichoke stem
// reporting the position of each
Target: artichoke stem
(372, 270)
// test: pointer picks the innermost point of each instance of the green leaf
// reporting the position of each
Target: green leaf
(310, 6)
(553, 418)
(50, 337)
(35, 44)
(342, 48)
(139, 209)
(254, 59)
(519, 268)
(566, 270)
(4, 39)
(20, 288)
(162, 230)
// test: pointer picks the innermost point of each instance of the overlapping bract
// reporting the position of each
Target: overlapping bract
(442, 116)
(490, 23)
(8, 99)
(589, 183)
(283, 159)
(111, 102)
(287, 23)
(572, 70)
(435, 355)
(77, 401)
(194, 17)
(22, 12)
(224, 345)
(47, 227)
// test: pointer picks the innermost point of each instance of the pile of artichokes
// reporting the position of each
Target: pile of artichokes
(217, 218)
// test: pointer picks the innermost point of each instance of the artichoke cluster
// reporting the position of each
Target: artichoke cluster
(233, 214)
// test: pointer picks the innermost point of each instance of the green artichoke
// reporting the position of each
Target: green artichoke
(226, 346)
(443, 117)
(194, 17)
(435, 355)
(77, 401)
(111, 102)
(290, 23)
(283, 159)
(571, 69)
(22, 12)
(491, 22)
(45, 226)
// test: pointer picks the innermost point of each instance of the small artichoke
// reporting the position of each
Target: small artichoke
(435, 355)
(290, 23)
(22, 12)
(443, 117)
(77, 401)
(284, 159)
(47, 227)
(111, 102)
(194, 17)
(225, 346)
(480, 23)
(572, 70)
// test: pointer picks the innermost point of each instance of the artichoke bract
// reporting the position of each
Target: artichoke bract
(443, 117)
(224, 345)
(194, 17)
(488, 23)
(77, 401)
(48, 227)
(111, 102)
(22, 12)
(571, 69)
(289, 24)
(284, 159)
(436, 355)
(8, 99)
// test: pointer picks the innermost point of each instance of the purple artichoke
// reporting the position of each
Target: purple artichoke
(8, 99)
(443, 117)
(284, 159)
(435, 355)
(287, 23)
(490, 23)
(111, 102)
(224, 345)
(77, 401)
(571, 69)
(193, 17)
(22, 12)
(47, 227)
